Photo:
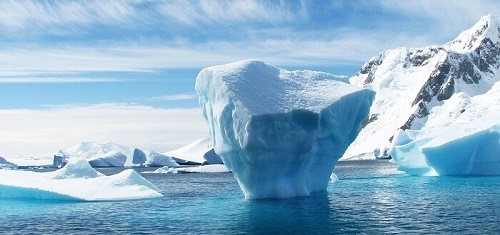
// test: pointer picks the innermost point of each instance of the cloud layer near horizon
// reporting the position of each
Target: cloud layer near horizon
(34, 132)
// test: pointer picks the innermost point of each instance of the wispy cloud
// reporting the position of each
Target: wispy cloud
(183, 96)
(32, 132)
(209, 11)
(25, 14)
(145, 35)
(56, 80)
(443, 18)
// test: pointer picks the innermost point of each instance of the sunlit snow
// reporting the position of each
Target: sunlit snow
(76, 181)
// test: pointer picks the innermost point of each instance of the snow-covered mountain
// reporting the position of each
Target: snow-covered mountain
(430, 86)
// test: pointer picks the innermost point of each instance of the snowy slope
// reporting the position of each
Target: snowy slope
(430, 86)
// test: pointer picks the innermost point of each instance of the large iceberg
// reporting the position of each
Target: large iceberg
(280, 132)
(75, 181)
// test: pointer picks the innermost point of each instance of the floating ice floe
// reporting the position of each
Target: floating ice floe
(280, 132)
(76, 181)
(166, 170)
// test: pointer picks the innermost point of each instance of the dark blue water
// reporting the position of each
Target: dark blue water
(370, 198)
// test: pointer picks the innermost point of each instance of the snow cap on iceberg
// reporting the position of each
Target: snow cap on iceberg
(280, 132)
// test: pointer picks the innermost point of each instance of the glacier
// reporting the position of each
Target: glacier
(280, 132)
(76, 181)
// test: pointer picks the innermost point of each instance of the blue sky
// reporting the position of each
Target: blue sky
(58, 57)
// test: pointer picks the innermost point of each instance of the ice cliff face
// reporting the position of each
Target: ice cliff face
(421, 87)
(280, 132)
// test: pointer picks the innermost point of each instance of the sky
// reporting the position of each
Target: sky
(124, 71)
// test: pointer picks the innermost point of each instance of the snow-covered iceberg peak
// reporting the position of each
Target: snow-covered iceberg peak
(488, 27)
(280, 132)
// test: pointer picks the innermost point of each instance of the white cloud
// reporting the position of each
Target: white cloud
(57, 64)
(27, 14)
(32, 132)
(279, 42)
(183, 96)
(451, 17)
(56, 80)
(210, 11)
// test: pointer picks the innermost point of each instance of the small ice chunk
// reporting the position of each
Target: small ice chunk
(166, 170)
(213, 168)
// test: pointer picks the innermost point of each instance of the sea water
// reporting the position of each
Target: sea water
(371, 197)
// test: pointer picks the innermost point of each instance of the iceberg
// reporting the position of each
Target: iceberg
(199, 152)
(280, 132)
(110, 159)
(113, 155)
(471, 148)
(140, 158)
(4, 164)
(76, 181)
(60, 159)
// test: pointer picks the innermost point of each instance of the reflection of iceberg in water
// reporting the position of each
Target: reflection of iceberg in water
(305, 215)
